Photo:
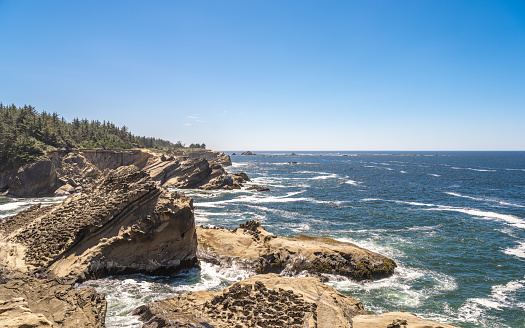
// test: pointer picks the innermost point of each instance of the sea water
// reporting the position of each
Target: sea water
(453, 221)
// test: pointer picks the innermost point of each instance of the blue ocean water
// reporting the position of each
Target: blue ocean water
(453, 221)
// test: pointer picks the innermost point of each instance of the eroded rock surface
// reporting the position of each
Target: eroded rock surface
(260, 301)
(395, 320)
(65, 173)
(29, 302)
(253, 248)
(124, 223)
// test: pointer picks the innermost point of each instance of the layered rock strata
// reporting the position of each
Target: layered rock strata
(124, 223)
(64, 173)
(253, 248)
(29, 302)
(260, 301)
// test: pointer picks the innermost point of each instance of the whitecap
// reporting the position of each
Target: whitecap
(518, 251)
(510, 219)
(434, 175)
(501, 297)
(352, 182)
(493, 200)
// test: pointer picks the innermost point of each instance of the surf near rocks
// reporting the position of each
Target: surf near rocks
(253, 248)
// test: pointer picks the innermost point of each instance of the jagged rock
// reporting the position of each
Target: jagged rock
(253, 248)
(395, 320)
(247, 153)
(29, 302)
(80, 168)
(124, 223)
(258, 188)
(261, 301)
(195, 173)
(210, 155)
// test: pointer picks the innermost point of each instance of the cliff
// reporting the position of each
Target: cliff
(64, 173)
(124, 223)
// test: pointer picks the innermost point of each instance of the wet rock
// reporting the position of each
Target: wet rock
(258, 188)
(254, 249)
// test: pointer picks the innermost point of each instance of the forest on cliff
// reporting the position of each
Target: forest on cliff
(26, 135)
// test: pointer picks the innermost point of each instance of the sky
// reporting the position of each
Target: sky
(286, 75)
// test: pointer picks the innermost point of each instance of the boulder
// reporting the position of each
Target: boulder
(258, 188)
(260, 301)
(254, 249)
(124, 223)
(247, 153)
(29, 302)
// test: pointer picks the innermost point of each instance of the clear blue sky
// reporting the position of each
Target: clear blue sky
(276, 74)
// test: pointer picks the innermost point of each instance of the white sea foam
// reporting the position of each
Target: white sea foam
(485, 199)
(434, 175)
(12, 206)
(472, 169)
(353, 182)
(502, 296)
(510, 219)
(397, 289)
(518, 251)
(404, 172)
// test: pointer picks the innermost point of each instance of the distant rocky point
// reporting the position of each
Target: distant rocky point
(65, 173)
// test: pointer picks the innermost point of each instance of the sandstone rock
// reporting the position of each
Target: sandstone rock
(210, 155)
(30, 302)
(260, 301)
(124, 223)
(65, 190)
(395, 320)
(253, 248)
(81, 168)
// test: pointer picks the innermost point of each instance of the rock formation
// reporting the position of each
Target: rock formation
(124, 223)
(194, 173)
(255, 249)
(261, 301)
(29, 302)
(64, 173)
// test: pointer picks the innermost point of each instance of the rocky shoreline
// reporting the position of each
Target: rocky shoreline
(120, 218)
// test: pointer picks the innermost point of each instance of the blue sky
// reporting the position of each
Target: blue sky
(277, 74)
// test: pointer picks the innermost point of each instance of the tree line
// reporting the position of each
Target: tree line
(26, 135)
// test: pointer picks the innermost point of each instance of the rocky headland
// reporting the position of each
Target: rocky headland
(124, 223)
(120, 218)
(65, 173)
(252, 248)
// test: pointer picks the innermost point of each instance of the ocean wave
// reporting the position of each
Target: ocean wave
(502, 296)
(397, 289)
(484, 199)
(352, 182)
(518, 251)
(434, 175)
(507, 218)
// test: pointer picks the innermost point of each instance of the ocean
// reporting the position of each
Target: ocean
(453, 221)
